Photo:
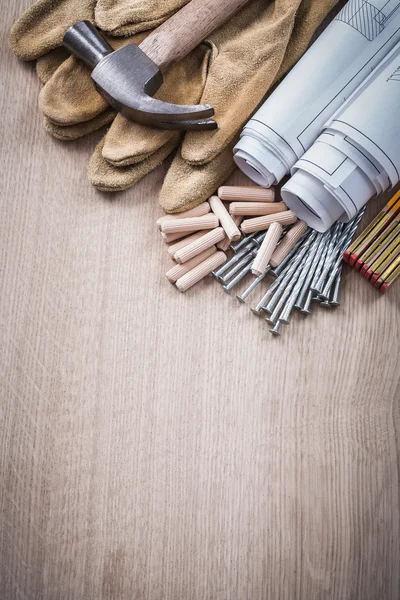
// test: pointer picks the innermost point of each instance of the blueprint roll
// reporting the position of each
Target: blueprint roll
(357, 156)
(289, 122)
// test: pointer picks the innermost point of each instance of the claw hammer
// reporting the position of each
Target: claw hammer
(130, 76)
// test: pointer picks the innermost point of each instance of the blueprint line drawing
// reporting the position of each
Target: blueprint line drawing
(360, 158)
(395, 76)
(293, 116)
(366, 17)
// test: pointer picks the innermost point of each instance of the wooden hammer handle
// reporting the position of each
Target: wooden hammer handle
(182, 32)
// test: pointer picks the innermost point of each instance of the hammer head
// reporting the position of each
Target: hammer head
(128, 78)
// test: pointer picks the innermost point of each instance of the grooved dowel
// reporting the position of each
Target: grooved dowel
(172, 237)
(205, 241)
(288, 242)
(256, 209)
(259, 223)
(224, 245)
(225, 219)
(245, 194)
(268, 246)
(185, 242)
(201, 271)
(209, 221)
(197, 211)
(180, 270)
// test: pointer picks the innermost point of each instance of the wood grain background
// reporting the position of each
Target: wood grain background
(162, 446)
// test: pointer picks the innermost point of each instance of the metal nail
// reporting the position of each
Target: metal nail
(345, 242)
(235, 259)
(280, 306)
(258, 308)
(325, 304)
(326, 292)
(255, 239)
(334, 301)
(275, 331)
(304, 278)
(305, 309)
(346, 234)
(238, 267)
(278, 270)
(252, 286)
(239, 277)
(320, 245)
(239, 245)
(320, 267)
(259, 238)
(304, 306)
(290, 276)
(269, 294)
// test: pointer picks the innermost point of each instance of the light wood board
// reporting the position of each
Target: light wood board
(161, 446)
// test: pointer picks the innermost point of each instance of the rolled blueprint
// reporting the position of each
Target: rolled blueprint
(289, 122)
(356, 157)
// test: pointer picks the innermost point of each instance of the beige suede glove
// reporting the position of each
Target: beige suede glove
(38, 34)
(254, 49)
(245, 57)
(42, 26)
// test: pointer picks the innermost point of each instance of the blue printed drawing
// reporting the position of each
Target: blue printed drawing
(369, 18)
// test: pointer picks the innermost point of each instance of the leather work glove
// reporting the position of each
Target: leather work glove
(41, 27)
(39, 31)
(235, 68)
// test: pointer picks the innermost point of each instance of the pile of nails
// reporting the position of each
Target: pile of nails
(310, 272)
(200, 237)
(301, 265)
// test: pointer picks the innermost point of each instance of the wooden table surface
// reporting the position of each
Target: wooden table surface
(162, 446)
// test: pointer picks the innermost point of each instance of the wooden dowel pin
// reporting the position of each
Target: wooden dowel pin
(256, 209)
(224, 245)
(259, 223)
(225, 219)
(201, 271)
(197, 211)
(203, 243)
(172, 237)
(185, 242)
(268, 246)
(245, 194)
(191, 224)
(180, 270)
(288, 242)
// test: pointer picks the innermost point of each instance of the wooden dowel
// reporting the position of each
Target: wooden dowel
(201, 271)
(268, 246)
(288, 242)
(180, 270)
(205, 241)
(259, 223)
(224, 245)
(256, 209)
(197, 211)
(172, 237)
(209, 221)
(246, 194)
(185, 242)
(225, 219)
